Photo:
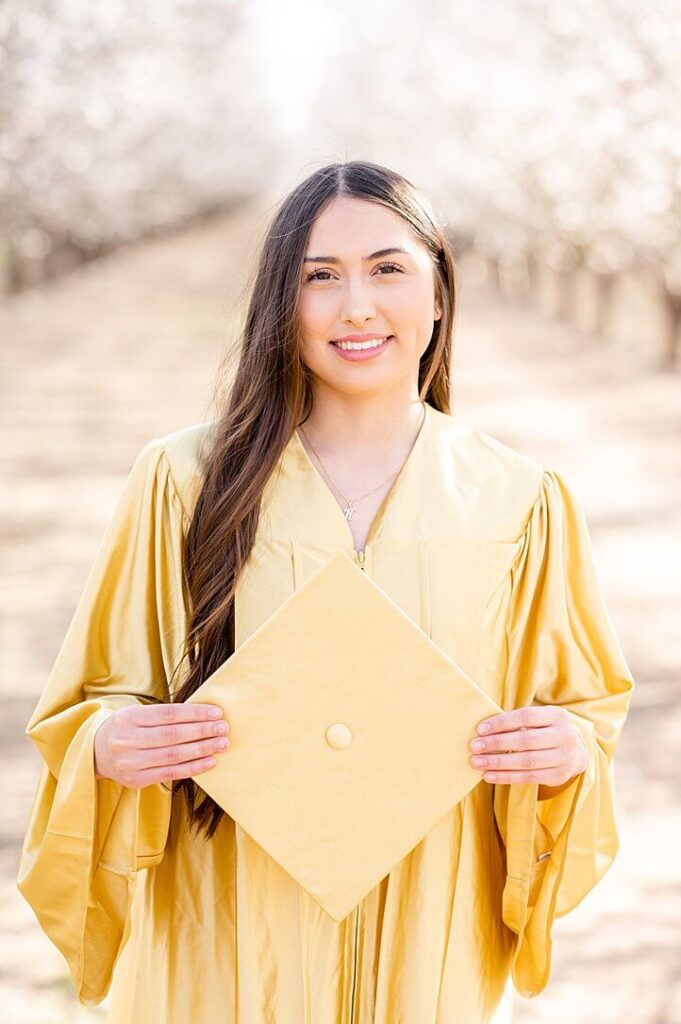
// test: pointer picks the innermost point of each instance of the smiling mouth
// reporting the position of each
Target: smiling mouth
(361, 346)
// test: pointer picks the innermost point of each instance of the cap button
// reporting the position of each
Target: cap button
(338, 736)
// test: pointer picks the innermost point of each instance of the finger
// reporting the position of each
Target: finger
(542, 776)
(528, 717)
(155, 757)
(179, 732)
(181, 771)
(525, 739)
(521, 761)
(163, 714)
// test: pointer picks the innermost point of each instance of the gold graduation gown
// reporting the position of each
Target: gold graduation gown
(487, 550)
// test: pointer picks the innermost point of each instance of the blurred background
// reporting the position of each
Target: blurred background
(143, 147)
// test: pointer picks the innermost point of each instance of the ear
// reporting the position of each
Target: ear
(438, 301)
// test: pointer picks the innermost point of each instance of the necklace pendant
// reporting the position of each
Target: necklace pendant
(349, 510)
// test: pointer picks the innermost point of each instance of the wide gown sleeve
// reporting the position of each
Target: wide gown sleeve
(88, 837)
(561, 650)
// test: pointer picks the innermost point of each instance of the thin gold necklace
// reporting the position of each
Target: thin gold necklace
(351, 506)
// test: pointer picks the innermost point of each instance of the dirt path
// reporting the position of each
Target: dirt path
(125, 350)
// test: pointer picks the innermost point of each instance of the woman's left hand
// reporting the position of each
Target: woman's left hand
(530, 744)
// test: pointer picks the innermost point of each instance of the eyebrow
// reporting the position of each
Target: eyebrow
(372, 256)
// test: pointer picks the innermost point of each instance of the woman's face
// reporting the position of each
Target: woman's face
(348, 290)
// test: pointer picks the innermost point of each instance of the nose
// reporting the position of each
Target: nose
(357, 301)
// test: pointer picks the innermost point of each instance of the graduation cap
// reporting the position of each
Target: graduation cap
(349, 732)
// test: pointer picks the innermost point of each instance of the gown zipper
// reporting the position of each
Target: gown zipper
(354, 968)
(360, 558)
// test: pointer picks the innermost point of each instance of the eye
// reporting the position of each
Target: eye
(315, 276)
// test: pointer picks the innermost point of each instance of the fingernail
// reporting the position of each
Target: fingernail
(215, 712)
(483, 727)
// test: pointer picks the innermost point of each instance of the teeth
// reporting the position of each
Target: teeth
(350, 345)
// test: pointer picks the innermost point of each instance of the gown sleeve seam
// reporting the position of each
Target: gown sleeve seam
(546, 472)
(522, 541)
(176, 490)
(523, 536)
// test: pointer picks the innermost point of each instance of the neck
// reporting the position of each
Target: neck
(363, 429)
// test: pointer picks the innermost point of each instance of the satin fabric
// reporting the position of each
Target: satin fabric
(488, 551)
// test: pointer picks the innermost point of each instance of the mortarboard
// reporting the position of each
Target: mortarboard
(349, 732)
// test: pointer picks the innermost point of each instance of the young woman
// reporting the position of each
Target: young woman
(337, 435)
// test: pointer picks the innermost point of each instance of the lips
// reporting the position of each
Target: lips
(363, 353)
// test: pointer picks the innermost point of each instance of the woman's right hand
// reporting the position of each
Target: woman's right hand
(146, 743)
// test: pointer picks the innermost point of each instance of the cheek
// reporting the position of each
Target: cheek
(315, 310)
(312, 332)
(412, 303)
(412, 315)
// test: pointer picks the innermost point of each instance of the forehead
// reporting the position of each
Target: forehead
(355, 227)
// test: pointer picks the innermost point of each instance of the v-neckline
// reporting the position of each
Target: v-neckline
(388, 498)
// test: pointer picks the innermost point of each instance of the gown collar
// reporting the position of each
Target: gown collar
(300, 503)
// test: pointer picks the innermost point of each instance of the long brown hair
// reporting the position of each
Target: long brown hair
(269, 397)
